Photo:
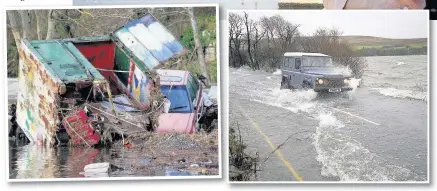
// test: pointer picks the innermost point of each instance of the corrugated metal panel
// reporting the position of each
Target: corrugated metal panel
(149, 40)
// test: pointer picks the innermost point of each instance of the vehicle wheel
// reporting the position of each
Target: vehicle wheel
(283, 85)
(306, 86)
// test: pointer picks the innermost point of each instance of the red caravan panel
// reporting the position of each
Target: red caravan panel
(100, 54)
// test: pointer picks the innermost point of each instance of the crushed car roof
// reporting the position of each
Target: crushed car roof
(303, 54)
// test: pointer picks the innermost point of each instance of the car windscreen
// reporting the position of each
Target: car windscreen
(178, 96)
(317, 61)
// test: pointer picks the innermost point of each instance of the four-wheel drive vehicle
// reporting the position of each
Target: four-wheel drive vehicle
(313, 71)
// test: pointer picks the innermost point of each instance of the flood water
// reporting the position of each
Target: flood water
(34, 162)
(377, 132)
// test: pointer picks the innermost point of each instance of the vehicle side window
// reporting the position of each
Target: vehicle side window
(290, 62)
(193, 87)
(297, 63)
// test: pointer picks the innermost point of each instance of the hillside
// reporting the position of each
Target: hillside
(375, 42)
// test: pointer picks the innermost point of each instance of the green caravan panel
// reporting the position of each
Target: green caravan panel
(122, 62)
(84, 61)
(63, 60)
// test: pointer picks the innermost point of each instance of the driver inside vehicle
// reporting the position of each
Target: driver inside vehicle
(374, 4)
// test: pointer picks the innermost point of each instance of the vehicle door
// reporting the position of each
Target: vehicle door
(287, 68)
(297, 76)
(196, 97)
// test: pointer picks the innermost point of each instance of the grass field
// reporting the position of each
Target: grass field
(300, 4)
(369, 41)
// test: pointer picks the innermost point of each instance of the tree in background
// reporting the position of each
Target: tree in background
(262, 44)
(198, 45)
(327, 41)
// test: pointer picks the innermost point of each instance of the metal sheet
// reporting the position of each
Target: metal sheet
(36, 100)
(100, 54)
(162, 34)
(63, 59)
(149, 40)
(129, 40)
(140, 87)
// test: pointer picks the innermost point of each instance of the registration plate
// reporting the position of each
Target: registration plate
(334, 90)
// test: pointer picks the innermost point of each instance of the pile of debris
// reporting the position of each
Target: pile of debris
(100, 90)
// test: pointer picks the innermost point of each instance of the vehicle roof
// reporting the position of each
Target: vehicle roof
(173, 77)
(303, 54)
(63, 60)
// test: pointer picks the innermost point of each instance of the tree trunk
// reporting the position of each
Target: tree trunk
(26, 25)
(13, 18)
(249, 45)
(198, 46)
(50, 25)
(39, 15)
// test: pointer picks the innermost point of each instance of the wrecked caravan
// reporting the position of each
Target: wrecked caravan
(78, 85)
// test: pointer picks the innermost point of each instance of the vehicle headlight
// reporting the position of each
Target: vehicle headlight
(319, 81)
(346, 81)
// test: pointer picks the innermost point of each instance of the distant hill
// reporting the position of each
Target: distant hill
(378, 42)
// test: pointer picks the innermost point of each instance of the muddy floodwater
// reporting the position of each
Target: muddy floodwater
(377, 132)
(155, 155)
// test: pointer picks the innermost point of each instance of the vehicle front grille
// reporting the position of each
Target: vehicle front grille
(333, 82)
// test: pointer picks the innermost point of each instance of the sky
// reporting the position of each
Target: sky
(401, 24)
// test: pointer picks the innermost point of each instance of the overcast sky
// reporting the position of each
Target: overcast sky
(388, 24)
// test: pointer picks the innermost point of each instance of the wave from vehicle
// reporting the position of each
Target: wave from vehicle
(343, 157)
(278, 72)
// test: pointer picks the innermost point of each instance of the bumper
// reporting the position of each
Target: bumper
(332, 89)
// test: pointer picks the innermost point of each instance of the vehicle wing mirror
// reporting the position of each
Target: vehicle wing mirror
(201, 78)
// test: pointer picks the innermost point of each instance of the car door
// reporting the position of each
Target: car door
(287, 68)
(297, 76)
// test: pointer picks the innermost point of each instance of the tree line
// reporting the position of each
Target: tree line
(261, 44)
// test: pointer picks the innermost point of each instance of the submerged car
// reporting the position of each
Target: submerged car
(186, 98)
(313, 71)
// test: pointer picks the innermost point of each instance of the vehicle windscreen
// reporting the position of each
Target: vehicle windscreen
(317, 61)
(178, 96)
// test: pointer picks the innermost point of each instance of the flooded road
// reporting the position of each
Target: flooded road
(377, 132)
